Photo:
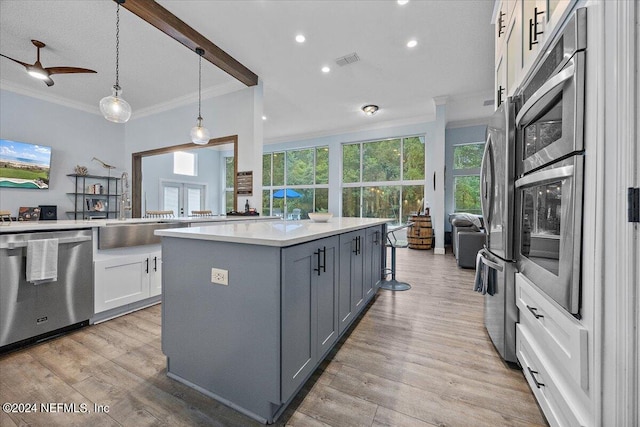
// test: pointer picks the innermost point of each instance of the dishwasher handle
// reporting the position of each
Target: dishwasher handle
(62, 241)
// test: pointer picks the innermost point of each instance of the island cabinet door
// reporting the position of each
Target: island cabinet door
(309, 309)
(351, 295)
(372, 260)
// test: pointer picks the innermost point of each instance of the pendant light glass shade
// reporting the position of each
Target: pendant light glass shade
(199, 134)
(114, 108)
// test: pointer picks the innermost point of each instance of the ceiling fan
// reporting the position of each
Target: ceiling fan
(39, 72)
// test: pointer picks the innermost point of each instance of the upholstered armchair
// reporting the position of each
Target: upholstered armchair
(467, 237)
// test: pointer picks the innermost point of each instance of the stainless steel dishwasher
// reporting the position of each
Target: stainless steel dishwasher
(32, 312)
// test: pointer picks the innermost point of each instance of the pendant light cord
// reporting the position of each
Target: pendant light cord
(117, 86)
(199, 84)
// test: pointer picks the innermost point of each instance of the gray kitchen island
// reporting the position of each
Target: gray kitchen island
(292, 289)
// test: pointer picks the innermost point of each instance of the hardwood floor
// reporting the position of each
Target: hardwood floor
(415, 358)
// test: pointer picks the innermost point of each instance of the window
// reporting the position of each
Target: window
(305, 171)
(182, 197)
(383, 179)
(229, 181)
(467, 159)
(185, 163)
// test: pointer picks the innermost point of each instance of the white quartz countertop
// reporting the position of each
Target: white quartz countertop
(273, 233)
(30, 226)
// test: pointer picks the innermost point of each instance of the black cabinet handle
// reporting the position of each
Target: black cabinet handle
(357, 249)
(500, 92)
(322, 265)
(146, 265)
(376, 238)
(533, 376)
(155, 263)
(533, 311)
(533, 28)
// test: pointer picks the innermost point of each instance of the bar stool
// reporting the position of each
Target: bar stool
(393, 242)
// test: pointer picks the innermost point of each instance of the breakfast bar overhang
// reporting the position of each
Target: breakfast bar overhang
(293, 288)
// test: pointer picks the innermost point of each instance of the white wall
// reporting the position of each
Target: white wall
(75, 137)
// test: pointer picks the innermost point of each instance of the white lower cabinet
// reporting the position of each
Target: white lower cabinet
(122, 280)
(551, 346)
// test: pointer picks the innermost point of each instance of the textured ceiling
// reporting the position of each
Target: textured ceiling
(454, 57)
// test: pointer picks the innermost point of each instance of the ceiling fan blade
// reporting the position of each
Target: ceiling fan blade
(24, 64)
(48, 81)
(68, 70)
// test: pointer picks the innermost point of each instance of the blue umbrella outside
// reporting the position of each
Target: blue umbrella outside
(291, 194)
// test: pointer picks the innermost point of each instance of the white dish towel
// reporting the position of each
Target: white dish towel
(42, 261)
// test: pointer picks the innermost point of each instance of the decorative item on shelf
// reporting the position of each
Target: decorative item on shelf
(97, 205)
(114, 108)
(81, 170)
(105, 165)
(200, 134)
(28, 213)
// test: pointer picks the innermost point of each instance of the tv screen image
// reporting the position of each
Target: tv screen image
(24, 165)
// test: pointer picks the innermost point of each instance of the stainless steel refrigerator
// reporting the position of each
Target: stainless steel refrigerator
(496, 262)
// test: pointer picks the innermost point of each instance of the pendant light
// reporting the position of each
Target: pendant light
(114, 108)
(199, 134)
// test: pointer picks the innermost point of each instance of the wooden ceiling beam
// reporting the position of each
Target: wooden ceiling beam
(174, 27)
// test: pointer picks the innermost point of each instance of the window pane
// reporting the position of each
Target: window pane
(184, 163)
(413, 158)
(322, 200)
(322, 165)
(230, 172)
(171, 199)
(381, 202)
(278, 169)
(467, 194)
(351, 202)
(278, 204)
(381, 161)
(351, 164)
(411, 200)
(193, 199)
(266, 196)
(228, 200)
(266, 170)
(300, 167)
(304, 203)
(468, 156)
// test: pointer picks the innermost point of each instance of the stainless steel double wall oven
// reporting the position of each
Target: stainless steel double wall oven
(550, 167)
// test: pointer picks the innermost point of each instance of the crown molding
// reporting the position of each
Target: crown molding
(33, 93)
(212, 92)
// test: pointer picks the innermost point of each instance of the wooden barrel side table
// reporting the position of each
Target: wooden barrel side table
(420, 235)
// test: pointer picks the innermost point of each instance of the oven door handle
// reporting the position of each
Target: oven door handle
(62, 241)
(540, 99)
(544, 176)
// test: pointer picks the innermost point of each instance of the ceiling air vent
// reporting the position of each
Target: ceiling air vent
(348, 59)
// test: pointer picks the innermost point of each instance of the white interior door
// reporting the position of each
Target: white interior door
(182, 198)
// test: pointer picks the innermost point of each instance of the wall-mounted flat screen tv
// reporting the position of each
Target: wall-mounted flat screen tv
(24, 165)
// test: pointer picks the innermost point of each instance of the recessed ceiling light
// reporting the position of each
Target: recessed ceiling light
(264, 117)
(403, 2)
(326, 69)
(412, 43)
(300, 38)
(370, 110)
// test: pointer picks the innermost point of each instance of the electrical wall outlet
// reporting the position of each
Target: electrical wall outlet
(219, 276)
